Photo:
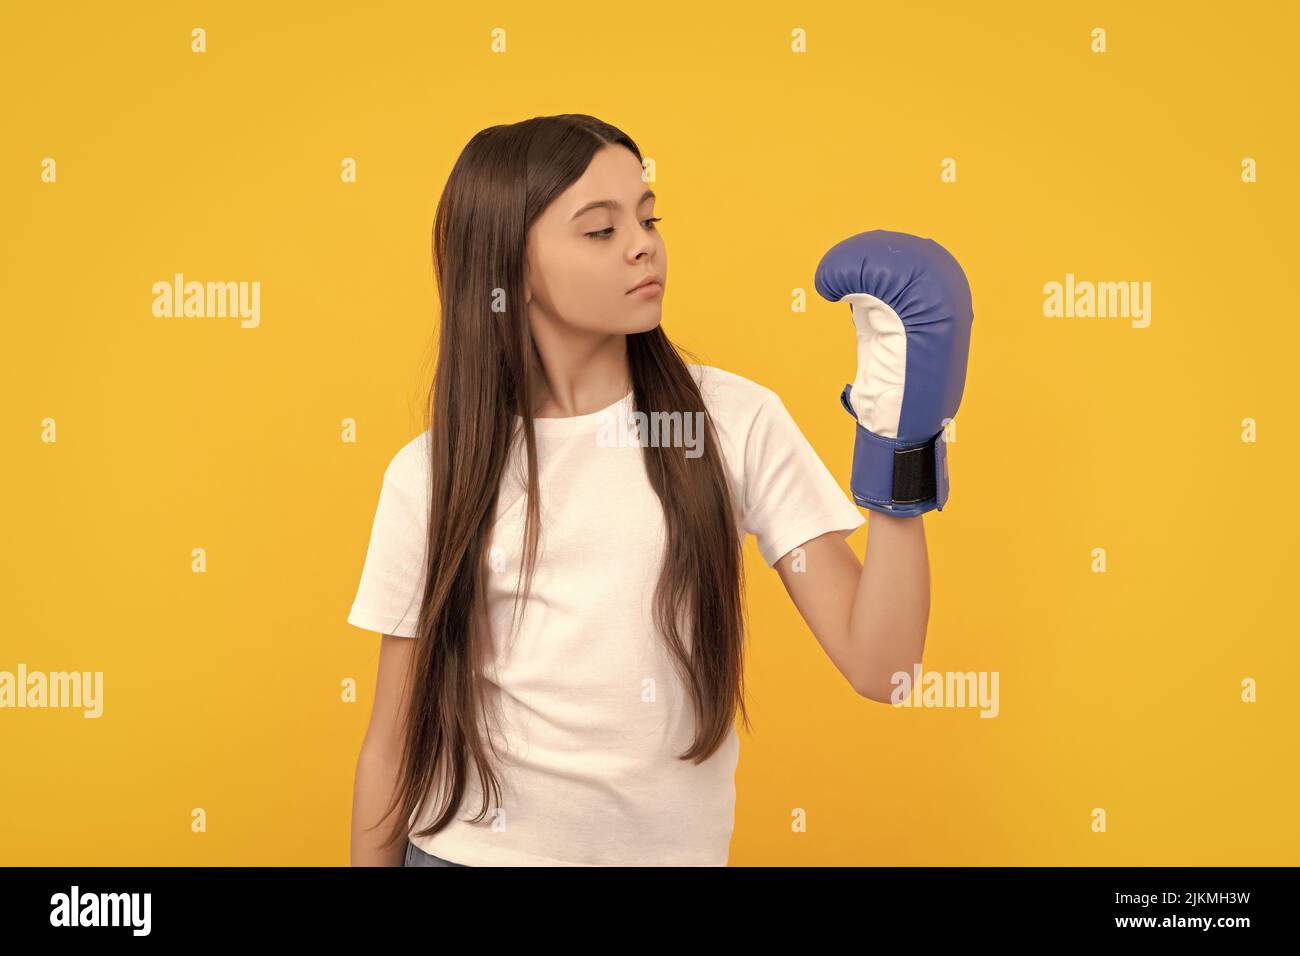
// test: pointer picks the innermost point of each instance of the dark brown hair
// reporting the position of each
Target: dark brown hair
(486, 370)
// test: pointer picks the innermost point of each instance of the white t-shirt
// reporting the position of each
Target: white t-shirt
(594, 712)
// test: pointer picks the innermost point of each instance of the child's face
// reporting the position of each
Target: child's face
(580, 270)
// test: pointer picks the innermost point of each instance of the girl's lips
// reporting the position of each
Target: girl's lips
(652, 288)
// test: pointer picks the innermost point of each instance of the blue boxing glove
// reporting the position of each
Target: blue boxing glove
(911, 306)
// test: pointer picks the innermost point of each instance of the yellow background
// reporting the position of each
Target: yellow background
(1119, 691)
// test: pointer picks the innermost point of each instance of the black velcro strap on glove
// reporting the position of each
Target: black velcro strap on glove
(914, 473)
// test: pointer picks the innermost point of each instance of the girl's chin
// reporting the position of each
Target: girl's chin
(644, 323)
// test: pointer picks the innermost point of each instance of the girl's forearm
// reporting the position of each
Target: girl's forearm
(891, 609)
(375, 782)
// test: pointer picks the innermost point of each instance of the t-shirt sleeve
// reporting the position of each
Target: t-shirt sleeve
(392, 579)
(790, 496)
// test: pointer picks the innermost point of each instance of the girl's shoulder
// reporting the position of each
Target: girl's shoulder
(409, 466)
(728, 395)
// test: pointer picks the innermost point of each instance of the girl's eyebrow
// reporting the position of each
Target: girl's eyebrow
(610, 204)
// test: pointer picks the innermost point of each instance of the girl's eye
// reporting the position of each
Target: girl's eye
(606, 233)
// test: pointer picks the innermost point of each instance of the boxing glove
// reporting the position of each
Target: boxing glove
(911, 306)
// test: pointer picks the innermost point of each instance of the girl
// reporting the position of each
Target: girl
(557, 575)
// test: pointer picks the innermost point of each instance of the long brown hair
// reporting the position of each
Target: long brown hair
(487, 370)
